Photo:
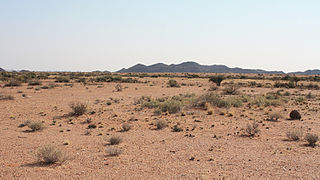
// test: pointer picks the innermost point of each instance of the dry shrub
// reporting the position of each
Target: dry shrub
(6, 97)
(126, 127)
(176, 128)
(51, 154)
(172, 106)
(312, 139)
(12, 83)
(118, 87)
(294, 135)
(113, 151)
(173, 83)
(34, 83)
(114, 140)
(63, 79)
(161, 124)
(35, 126)
(252, 129)
(274, 116)
(78, 108)
(231, 90)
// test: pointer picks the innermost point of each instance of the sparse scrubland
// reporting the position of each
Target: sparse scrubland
(63, 125)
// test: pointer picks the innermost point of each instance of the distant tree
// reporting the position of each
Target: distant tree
(295, 79)
(217, 79)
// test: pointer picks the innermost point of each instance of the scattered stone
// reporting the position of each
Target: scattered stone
(295, 115)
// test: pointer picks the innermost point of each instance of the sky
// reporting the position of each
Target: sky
(83, 35)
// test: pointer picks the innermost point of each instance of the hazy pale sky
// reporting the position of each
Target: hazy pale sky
(83, 35)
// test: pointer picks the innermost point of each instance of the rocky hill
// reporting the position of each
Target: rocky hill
(194, 67)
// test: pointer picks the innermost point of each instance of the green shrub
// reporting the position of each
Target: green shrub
(216, 79)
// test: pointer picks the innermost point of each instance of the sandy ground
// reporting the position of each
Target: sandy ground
(213, 149)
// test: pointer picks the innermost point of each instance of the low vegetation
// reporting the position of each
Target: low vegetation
(294, 135)
(113, 151)
(114, 140)
(311, 139)
(78, 108)
(252, 129)
(35, 126)
(51, 154)
(161, 124)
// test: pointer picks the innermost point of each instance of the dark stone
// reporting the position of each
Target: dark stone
(295, 115)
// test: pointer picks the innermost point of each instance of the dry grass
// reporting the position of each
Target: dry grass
(51, 154)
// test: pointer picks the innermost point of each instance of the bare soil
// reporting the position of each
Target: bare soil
(210, 146)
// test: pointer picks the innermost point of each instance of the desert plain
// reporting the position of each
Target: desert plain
(191, 129)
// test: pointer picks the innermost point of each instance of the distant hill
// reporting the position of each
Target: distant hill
(194, 67)
(2, 70)
(308, 72)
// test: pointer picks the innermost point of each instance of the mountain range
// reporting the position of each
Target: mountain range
(194, 67)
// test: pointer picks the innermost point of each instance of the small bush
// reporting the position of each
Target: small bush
(126, 127)
(176, 128)
(92, 126)
(216, 79)
(294, 135)
(252, 129)
(118, 87)
(34, 83)
(114, 140)
(161, 124)
(312, 139)
(78, 108)
(6, 97)
(62, 79)
(172, 106)
(173, 83)
(112, 151)
(231, 90)
(13, 82)
(275, 116)
(300, 99)
(35, 126)
(50, 154)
